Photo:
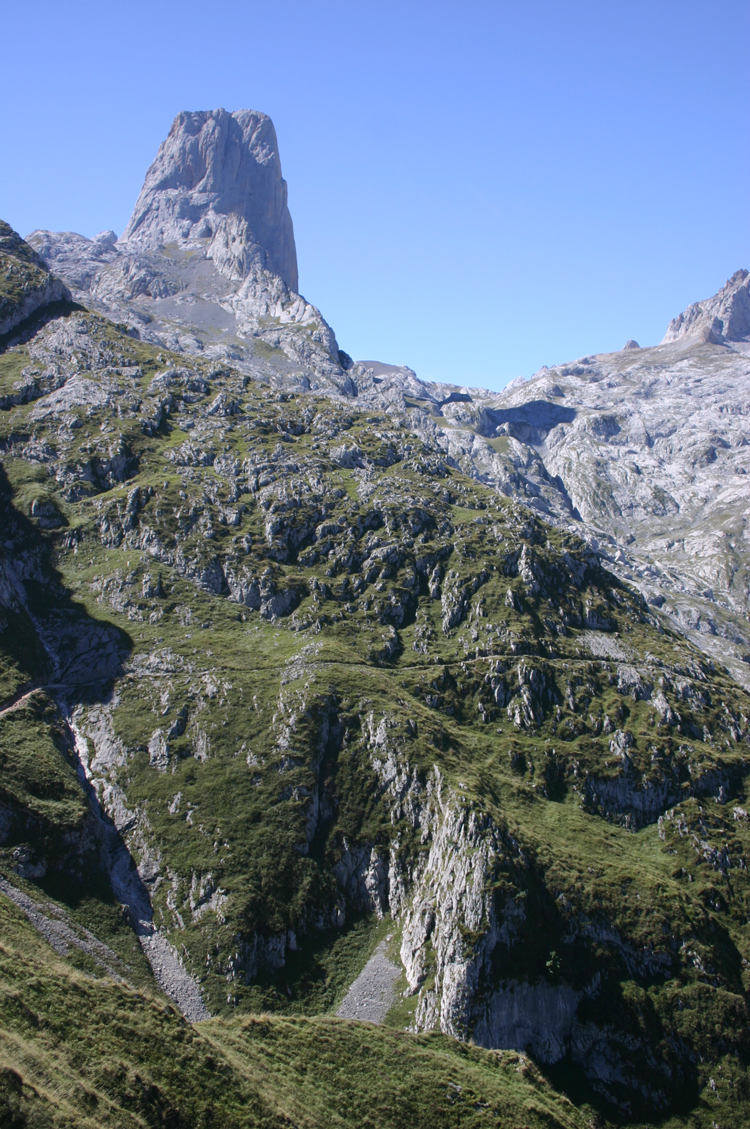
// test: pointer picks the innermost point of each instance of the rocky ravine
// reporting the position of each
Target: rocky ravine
(334, 652)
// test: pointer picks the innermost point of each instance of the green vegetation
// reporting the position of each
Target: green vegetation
(77, 1050)
(254, 601)
(20, 273)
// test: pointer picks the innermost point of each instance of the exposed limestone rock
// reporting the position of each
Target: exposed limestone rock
(539, 1017)
(210, 246)
(363, 877)
(76, 259)
(658, 482)
(725, 317)
(129, 882)
(294, 733)
(216, 182)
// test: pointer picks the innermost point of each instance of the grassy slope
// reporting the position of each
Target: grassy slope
(660, 892)
(20, 273)
(80, 1051)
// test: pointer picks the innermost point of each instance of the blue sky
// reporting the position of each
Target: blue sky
(477, 188)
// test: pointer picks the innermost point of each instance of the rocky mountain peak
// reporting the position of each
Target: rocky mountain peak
(210, 233)
(216, 183)
(297, 649)
(725, 317)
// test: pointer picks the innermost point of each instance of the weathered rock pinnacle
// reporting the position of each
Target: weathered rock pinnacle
(210, 234)
(216, 182)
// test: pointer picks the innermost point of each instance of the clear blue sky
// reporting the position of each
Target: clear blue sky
(477, 188)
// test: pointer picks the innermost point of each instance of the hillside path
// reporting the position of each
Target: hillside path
(19, 698)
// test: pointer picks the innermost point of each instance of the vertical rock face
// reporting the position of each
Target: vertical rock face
(725, 317)
(217, 178)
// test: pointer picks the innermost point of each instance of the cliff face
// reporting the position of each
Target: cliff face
(207, 264)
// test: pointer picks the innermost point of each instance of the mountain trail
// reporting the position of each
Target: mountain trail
(21, 696)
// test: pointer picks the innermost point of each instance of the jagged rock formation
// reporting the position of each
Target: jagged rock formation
(723, 318)
(313, 670)
(550, 438)
(645, 451)
(63, 1029)
(217, 181)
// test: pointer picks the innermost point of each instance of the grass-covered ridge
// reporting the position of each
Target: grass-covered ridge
(25, 284)
(78, 1049)
(303, 617)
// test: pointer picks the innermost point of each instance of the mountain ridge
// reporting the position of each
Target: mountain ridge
(722, 318)
(305, 656)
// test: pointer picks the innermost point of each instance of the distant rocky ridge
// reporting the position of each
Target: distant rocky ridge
(725, 317)
(314, 656)
(644, 452)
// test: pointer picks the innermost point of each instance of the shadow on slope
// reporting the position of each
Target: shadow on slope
(531, 422)
(31, 325)
(81, 1050)
(49, 639)
(53, 654)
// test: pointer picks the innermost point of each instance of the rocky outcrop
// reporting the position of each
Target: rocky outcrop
(216, 184)
(75, 258)
(26, 284)
(207, 263)
(539, 1017)
(725, 317)
(120, 830)
(463, 901)
(373, 677)
(614, 446)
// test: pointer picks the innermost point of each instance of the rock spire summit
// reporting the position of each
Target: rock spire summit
(216, 183)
